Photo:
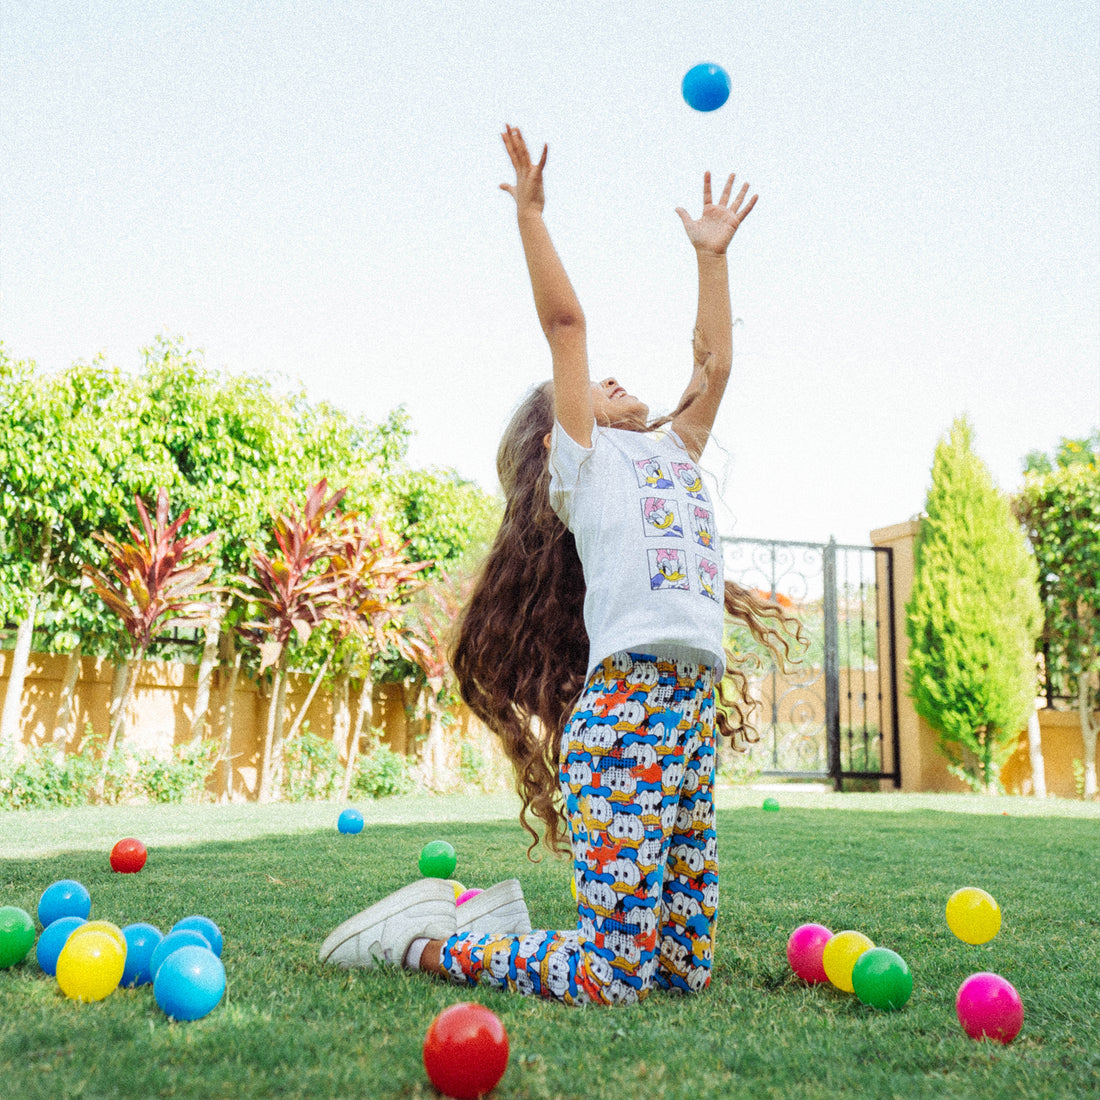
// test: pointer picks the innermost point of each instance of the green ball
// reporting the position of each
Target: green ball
(881, 978)
(16, 935)
(771, 805)
(437, 859)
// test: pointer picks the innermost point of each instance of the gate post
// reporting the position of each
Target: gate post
(832, 663)
(922, 766)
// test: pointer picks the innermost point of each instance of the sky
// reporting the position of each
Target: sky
(308, 191)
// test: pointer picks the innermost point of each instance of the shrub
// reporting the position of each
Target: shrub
(311, 767)
(381, 771)
(180, 778)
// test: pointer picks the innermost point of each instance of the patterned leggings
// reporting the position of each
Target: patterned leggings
(637, 773)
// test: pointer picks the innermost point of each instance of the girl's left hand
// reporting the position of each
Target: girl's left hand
(719, 221)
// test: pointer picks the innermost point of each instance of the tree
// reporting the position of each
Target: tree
(1060, 510)
(154, 583)
(973, 616)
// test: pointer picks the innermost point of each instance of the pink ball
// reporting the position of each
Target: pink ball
(805, 949)
(464, 897)
(989, 1007)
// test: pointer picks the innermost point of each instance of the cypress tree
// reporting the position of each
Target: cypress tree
(973, 616)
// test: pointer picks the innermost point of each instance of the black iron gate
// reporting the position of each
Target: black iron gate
(835, 715)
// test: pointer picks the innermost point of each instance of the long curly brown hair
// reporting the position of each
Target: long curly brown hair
(521, 648)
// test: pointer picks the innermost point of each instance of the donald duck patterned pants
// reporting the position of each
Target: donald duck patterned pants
(637, 774)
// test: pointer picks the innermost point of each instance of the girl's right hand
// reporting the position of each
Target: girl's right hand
(527, 190)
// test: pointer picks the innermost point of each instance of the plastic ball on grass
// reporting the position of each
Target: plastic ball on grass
(973, 915)
(840, 955)
(175, 941)
(128, 856)
(90, 966)
(350, 821)
(141, 941)
(205, 928)
(804, 952)
(53, 939)
(16, 935)
(771, 805)
(466, 1051)
(466, 895)
(705, 86)
(437, 859)
(989, 1007)
(881, 979)
(106, 926)
(189, 983)
(64, 898)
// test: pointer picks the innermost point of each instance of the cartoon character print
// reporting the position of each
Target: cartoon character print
(651, 473)
(688, 476)
(661, 518)
(644, 857)
(707, 572)
(668, 569)
(702, 526)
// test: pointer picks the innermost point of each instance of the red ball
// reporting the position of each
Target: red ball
(806, 950)
(466, 1051)
(128, 856)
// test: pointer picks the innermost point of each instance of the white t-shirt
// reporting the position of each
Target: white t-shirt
(647, 538)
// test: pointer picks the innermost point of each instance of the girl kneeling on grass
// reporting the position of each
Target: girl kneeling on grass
(593, 646)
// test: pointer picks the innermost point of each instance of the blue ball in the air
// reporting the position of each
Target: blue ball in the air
(706, 86)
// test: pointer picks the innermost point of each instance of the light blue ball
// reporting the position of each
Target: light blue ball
(141, 941)
(54, 937)
(350, 821)
(176, 941)
(65, 898)
(205, 927)
(706, 87)
(189, 983)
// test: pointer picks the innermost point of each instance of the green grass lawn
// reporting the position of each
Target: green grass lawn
(277, 879)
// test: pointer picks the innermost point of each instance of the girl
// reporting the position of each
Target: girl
(593, 646)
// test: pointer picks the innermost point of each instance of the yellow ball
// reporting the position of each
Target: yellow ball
(840, 955)
(573, 888)
(106, 926)
(457, 887)
(973, 915)
(90, 966)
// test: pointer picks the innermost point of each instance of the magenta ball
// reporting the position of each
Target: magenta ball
(805, 950)
(989, 1007)
(466, 895)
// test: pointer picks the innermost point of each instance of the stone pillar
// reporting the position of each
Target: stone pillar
(922, 766)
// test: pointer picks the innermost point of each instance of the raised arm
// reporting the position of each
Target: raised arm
(556, 303)
(710, 235)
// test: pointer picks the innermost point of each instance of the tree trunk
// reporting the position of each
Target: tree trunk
(63, 719)
(300, 716)
(206, 674)
(121, 689)
(364, 713)
(273, 735)
(1089, 730)
(12, 715)
(230, 656)
(1035, 756)
(341, 711)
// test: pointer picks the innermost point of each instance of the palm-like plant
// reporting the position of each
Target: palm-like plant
(155, 582)
(294, 591)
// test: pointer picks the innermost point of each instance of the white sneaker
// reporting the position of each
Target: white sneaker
(498, 910)
(382, 933)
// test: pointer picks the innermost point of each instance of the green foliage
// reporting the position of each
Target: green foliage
(1060, 509)
(973, 616)
(180, 778)
(311, 767)
(381, 771)
(45, 777)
